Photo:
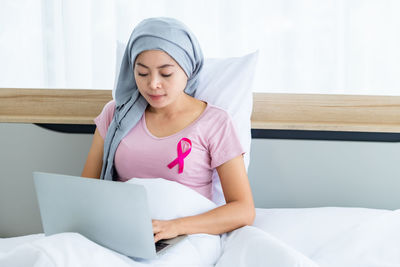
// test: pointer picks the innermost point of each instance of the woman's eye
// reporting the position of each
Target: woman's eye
(166, 75)
(142, 74)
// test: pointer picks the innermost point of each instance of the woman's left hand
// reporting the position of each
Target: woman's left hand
(165, 229)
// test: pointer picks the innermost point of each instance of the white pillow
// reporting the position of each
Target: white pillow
(226, 83)
(170, 200)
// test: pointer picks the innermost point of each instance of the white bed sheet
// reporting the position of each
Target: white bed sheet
(337, 237)
(308, 229)
(247, 246)
(324, 237)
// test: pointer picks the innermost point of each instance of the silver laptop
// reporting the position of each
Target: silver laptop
(113, 214)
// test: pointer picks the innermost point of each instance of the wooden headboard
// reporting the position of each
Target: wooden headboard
(315, 112)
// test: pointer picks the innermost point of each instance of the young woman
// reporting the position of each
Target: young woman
(156, 128)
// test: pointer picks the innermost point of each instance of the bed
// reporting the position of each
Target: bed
(323, 171)
(328, 236)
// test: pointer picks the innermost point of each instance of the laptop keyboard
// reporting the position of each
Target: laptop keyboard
(160, 245)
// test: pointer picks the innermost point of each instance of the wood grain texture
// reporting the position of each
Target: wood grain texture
(70, 106)
(326, 112)
(270, 111)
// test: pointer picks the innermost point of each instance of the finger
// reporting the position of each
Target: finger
(157, 237)
(156, 228)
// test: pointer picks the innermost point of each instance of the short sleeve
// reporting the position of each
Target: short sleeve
(103, 121)
(224, 143)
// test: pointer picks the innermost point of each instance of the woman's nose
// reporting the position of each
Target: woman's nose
(154, 82)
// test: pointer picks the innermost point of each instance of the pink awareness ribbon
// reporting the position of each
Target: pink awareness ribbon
(181, 155)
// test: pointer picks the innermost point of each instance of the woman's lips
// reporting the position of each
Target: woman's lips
(156, 97)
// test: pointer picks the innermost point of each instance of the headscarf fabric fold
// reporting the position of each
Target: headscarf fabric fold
(165, 34)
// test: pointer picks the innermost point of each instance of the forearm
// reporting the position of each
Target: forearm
(220, 220)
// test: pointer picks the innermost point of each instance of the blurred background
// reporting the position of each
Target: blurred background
(306, 46)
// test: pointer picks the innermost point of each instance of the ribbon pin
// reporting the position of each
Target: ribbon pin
(181, 155)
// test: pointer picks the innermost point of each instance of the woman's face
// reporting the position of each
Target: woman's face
(159, 78)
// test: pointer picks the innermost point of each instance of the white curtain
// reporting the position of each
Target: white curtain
(306, 46)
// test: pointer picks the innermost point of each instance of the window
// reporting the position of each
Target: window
(306, 46)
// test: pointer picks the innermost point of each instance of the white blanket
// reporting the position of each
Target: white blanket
(247, 246)
(374, 242)
(74, 250)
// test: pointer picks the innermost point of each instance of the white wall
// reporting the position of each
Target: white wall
(310, 173)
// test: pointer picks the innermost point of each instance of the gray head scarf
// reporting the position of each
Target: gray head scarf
(165, 34)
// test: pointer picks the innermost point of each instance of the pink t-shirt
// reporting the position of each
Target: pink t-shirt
(143, 155)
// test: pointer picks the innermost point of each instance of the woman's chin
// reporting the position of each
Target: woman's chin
(158, 104)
